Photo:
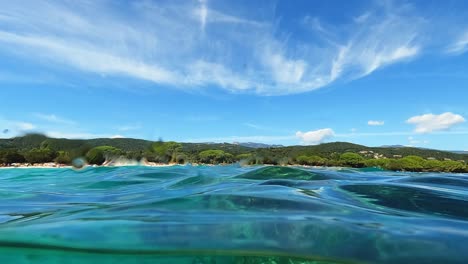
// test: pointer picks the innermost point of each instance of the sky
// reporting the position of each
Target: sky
(277, 72)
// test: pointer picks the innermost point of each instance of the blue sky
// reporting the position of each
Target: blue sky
(282, 72)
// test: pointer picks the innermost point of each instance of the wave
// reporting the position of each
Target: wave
(231, 214)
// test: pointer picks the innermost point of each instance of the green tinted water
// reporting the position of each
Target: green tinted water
(231, 214)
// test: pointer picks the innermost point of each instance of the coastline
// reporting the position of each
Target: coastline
(52, 165)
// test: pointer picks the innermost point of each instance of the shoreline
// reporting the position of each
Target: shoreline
(158, 165)
(51, 165)
(65, 166)
(146, 164)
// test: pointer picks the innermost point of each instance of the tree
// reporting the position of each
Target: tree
(10, 156)
(215, 156)
(181, 158)
(165, 151)
(394, 165)
(412, 163)
(310, 160)
(99, 155)
(352, 159)
(63, 157)
(453, 166)
(378, 163)
(244, 156)
(39, 155)
(173, 149)
(433, 165)
(134, 155)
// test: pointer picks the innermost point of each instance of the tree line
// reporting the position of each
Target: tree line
(34, 149)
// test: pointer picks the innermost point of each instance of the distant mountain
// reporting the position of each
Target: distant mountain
(393, 146)
(257, 145)
(459, 151)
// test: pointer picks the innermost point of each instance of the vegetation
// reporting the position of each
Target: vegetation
(36, 148)
(165, 152)
(213, 156)
(10, 156)
(39, 155)
(99, 155)
(351, 159)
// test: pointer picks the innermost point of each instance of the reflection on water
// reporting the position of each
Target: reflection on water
(231, 214)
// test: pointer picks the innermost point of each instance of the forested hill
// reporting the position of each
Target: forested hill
(40, 141)
(36, 148)
(327, 149)
(32, 141)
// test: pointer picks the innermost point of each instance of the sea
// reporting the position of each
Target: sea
(231, 214)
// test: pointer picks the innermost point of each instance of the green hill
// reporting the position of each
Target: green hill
(34, 147)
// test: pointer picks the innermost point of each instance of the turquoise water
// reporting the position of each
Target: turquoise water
(231, 214)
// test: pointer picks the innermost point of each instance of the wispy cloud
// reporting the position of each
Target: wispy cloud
(202, 13)
(191, 45)
(413, 141)
(230, 139)
(259, 127)
(202, 118)
(373, 134)
(24, 126)
(54, 119)
(460, 45)
(253, 126)
(12, 128)
(397, 133)
(130, 127)
(375, 123)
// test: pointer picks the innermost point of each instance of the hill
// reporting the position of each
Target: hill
(35, 147)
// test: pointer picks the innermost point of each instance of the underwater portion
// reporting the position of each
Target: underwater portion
(231, 214)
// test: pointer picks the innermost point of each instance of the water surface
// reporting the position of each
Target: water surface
(231, 214)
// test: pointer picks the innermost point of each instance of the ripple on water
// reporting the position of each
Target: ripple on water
(231, 214)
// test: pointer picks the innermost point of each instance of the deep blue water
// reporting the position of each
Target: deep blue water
(231, 214)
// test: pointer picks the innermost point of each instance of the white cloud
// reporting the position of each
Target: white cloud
(362, 18)
(288, 71)
(316, 136)
(54, 118)
(190, 45)
(375, 123)
(75, 135)
(86, 59)
(13, 128)
(24, 126)
(117, 136)
(202, 72)
(430, 123)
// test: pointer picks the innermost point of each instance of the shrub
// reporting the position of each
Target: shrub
(215, 156)
(99, 155)
(63, 158)
(352, 159)
(39, 155)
